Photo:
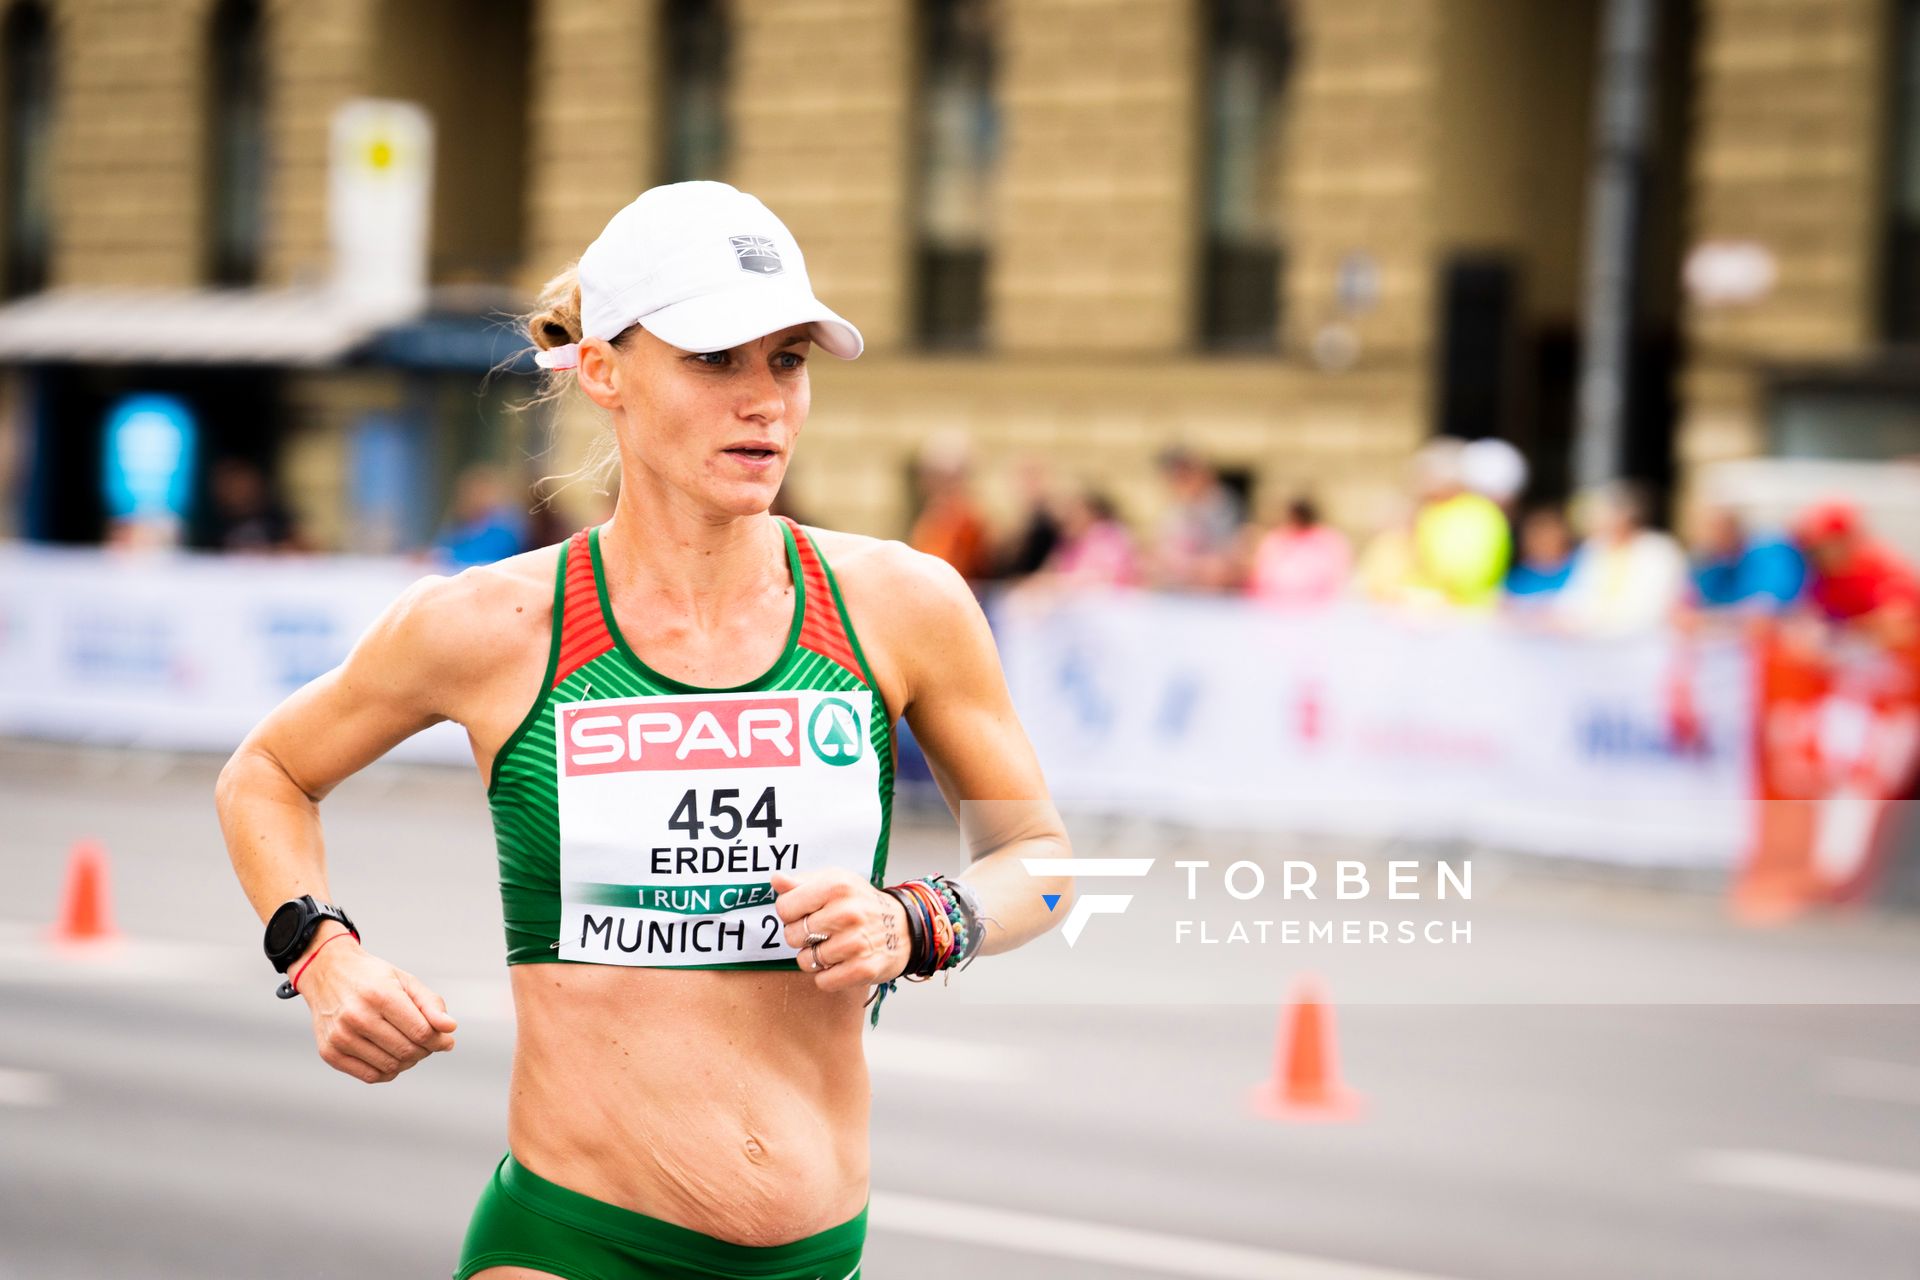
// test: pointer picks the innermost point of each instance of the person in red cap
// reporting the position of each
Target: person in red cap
(1857, 580)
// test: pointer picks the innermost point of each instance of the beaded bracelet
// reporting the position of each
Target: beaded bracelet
(944, 927)
(969, 920)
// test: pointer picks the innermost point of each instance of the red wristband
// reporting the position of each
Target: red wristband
(294, 981)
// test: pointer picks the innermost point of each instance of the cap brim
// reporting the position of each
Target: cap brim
(717, 321)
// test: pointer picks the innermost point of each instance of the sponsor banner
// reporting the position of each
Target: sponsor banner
(176, 650)
(1203, 711)
(1351, 723)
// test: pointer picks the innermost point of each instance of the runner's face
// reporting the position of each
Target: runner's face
(718, 426)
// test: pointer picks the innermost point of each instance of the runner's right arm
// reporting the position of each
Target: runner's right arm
(371, 1020)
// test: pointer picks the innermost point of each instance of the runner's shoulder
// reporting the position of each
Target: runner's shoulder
(889, 565)
(893, 578)
(463, 624)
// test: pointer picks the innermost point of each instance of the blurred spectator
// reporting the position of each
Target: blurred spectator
(246, 516)
(1495, 470)
(1194, 546)
(485, 524)
(1300, 562)
(1546, 557)
(950, 524)
(1038, 529)
(1626, 577)
(1855, 578)
(1733, 568)
(142, 534)
(1461, 539)
(1094, 548)
(1387, 571)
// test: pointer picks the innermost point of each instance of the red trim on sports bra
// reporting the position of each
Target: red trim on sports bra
(583, 628)
(821, 630)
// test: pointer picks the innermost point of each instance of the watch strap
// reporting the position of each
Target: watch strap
(312, 914)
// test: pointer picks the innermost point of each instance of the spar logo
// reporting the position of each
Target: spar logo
(833, 731)
(680, 733)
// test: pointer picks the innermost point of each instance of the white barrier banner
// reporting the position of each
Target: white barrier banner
(1207, 711)
(181, 650)
(1348, 722)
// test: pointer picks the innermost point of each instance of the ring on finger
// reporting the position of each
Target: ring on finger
(817, 966)
(813, 939)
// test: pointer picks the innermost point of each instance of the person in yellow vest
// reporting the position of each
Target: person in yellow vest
(1454, 550)
(1462, 544)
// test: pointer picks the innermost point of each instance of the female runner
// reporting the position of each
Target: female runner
(685, 720)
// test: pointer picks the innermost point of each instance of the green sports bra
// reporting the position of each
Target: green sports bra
(638, 819)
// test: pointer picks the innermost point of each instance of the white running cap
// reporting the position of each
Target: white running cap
(703, 267)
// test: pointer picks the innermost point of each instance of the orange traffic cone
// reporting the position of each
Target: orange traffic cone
(85, 916)
(1306, 1078)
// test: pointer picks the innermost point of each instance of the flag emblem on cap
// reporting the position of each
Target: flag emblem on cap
(756, 253)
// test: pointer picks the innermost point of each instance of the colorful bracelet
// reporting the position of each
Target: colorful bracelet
(945, 930)
(969, 920)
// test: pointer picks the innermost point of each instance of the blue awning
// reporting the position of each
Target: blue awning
(451, 342)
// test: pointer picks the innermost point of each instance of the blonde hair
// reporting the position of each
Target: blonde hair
(553, 322)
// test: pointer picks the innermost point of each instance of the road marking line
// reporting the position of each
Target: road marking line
(27, 1088)
(1789, 1174)
(1874, 1081)
(28, 956)
(889, 1053)
(1044, 1235)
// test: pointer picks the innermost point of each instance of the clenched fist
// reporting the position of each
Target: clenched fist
(867, 939)
(371, 1020)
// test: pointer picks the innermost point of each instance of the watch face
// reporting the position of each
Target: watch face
(282, 927)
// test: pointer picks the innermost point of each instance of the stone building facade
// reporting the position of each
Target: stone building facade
(1428, 199)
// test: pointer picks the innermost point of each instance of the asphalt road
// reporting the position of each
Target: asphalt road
(162, 1116)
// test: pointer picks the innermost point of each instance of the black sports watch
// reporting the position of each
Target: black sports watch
(292, 924)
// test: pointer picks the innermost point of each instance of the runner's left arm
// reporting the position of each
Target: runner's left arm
(957, 703)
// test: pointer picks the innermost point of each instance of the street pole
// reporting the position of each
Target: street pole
(1623, 107)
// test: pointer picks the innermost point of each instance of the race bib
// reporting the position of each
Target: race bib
(675, 811)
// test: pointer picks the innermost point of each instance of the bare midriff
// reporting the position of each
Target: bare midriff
(734, 1103)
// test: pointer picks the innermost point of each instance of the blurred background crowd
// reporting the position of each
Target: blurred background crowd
(1463, 541)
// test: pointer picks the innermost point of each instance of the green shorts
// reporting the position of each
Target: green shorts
(523, 1220)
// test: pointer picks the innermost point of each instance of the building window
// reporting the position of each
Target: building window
(959, 142)
(695, 85)
(1249, 50)
(1903, 245)
(476, 231)
(236, 142)
(26, 167)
